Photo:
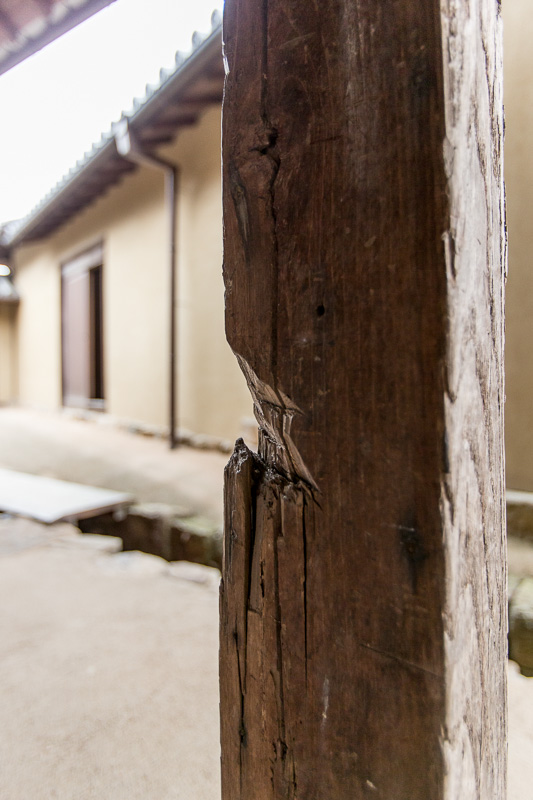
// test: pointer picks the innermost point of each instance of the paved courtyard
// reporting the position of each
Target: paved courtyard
(98, 453)
(108, 673)
(108, 662)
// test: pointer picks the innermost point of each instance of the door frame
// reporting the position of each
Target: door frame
(87, 262)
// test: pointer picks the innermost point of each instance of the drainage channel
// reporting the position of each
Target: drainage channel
(161, 530)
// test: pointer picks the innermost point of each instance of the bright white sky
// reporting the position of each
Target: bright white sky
(58, 102)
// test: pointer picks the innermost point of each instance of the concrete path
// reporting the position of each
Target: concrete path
(108, 673)
(99, 454)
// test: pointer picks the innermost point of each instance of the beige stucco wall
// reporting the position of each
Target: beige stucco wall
(212, 393)
(132, 223)
(8, 353)
(38, 327)
(518, 94)
(133, 284)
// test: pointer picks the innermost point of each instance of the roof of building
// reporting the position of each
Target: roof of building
(28, 25)
(183, 92)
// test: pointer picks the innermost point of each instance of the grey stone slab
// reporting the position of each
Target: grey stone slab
(195, 573)
(18, 534)
(50, 500)
(196, 539)
(91, 542)
(133, 562)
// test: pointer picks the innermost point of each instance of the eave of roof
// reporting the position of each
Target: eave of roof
(195, 82)
(26, 27)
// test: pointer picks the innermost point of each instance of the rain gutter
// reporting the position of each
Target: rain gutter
(157, 99)
(129, 149)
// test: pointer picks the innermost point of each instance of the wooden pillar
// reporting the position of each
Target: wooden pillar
(363, 613)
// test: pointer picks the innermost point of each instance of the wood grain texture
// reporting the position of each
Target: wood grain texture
(473, 487)
(362, 604)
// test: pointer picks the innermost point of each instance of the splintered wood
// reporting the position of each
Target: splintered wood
(264, 651)
(363, 614)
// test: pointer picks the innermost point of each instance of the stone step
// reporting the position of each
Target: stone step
(162, 530)
(177, 536)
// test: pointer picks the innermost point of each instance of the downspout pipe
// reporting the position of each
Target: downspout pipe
(129, 149)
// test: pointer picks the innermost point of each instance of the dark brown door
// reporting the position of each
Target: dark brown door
(82, 331)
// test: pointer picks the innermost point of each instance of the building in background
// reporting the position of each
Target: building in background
(92, 268)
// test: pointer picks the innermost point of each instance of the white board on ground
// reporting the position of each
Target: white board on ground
(50, 500)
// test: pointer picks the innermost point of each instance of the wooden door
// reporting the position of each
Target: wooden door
(82, 332)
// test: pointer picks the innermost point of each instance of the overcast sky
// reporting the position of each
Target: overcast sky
(58, 102)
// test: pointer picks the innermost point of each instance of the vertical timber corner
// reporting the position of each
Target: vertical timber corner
(363, 612)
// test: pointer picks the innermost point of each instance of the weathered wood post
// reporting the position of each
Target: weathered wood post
(363, 615)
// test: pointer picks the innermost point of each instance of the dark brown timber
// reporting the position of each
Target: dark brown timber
(363, 617)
